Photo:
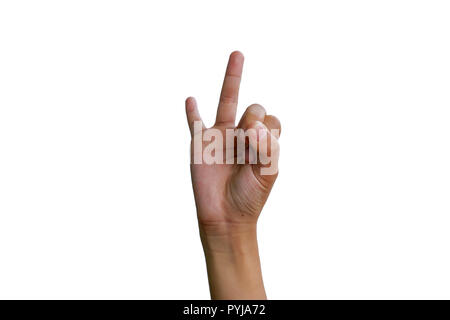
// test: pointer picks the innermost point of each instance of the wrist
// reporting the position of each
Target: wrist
(232, 259)
(229, 238)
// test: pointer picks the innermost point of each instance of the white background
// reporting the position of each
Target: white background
(95, 194)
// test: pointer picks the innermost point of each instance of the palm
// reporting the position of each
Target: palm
(230, 193)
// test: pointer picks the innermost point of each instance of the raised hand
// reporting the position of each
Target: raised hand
(230, 194)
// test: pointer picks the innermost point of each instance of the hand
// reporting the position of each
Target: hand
(230, 196)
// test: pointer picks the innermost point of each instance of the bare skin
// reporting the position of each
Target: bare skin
(229, 197)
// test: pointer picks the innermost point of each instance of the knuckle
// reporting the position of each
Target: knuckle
(256, 109)
(228, 99)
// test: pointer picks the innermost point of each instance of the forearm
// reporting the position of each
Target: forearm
(233, 264)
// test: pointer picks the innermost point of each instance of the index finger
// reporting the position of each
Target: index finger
(226, 112)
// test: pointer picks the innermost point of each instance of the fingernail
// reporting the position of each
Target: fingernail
(261, 129)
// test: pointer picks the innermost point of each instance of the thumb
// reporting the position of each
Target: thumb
(268, 151)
